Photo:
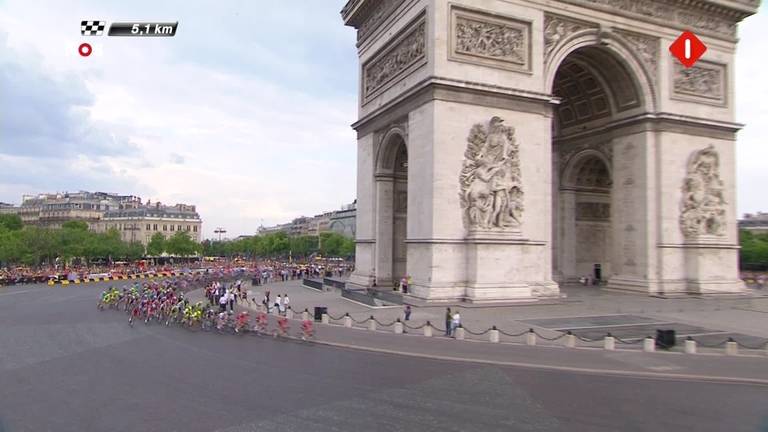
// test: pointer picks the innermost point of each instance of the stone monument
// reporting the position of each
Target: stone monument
(507, 147)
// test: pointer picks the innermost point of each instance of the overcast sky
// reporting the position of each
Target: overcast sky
(245, 112)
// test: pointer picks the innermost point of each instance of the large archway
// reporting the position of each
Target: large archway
(391, 208)
(596, 91)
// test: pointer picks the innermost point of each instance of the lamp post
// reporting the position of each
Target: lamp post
(219, 231)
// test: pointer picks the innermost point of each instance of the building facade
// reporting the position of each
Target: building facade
(53, 210)
(755, 222)
(139, 224)
(508, 147)
(340, 221)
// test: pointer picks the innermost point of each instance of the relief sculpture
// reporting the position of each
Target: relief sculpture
(404, 54)
(703, 202)
(491, 40)
(491, 185)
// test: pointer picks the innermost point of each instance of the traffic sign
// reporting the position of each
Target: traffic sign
(688, 49)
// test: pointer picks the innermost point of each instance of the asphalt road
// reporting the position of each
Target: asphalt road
(65, 366)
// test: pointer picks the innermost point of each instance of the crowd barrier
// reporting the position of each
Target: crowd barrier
(116, 278)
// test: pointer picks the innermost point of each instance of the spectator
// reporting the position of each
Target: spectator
(407, 312)
(448, 319)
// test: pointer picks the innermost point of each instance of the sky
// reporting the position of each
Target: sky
(246, 112)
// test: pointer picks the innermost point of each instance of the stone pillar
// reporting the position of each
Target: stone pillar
(530, 338)
(428, 329)
(609, 343)
(570, 341)
(690, 346)
(325, 319)
(493, 335)
(649, 344)
(289, 313)
(459, 333)
(372, 324)
(347, 321)
(398, 327)
(731, 348)
(305, 315)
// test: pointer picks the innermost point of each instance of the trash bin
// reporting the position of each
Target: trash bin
(665, 338)
(319, 311)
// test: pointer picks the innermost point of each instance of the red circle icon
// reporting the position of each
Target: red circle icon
(85, 49)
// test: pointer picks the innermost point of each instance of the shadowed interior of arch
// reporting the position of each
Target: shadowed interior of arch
(596, 89)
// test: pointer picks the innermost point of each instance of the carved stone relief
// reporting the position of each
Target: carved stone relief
(646, 47)
(667, 14)
(404, 53)
(380, 11)
(703, 197)
(704, 82)
(490, 40)
(556, 28)
(491, 185)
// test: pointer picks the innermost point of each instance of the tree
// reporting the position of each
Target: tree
(156, 245)
(181, 244)
(75, 225)
(11, 222)
(134, 251)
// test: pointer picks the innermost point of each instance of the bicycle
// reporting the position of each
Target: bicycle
(282, 328)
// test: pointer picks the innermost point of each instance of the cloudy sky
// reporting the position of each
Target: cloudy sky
(245, 112)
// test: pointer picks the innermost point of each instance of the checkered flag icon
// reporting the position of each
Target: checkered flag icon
(92, 28)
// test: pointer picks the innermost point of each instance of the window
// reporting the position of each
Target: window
(188, 228)
(154, 227)
(165, 227)
(148, 227)
(179, 227)
(173, 227)
(194, 228)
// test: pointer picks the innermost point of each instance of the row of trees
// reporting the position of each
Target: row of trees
(30, 245)
(281, 245)
(754, 250)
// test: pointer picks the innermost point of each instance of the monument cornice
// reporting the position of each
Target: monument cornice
(716, 18)
(448, 89)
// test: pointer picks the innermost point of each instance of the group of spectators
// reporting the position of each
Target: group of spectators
(260, 272)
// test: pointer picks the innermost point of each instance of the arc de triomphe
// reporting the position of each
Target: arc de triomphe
(506, 147)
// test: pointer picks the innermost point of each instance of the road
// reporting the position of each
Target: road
(65, 366)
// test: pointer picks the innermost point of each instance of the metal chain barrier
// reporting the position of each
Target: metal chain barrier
(626, 342)
(562, 335)
(334, 318)
(476, 333)
(384, 325)
(414, 327)
(712, 345)
(361, 322)
(751, 347)
(511, 334)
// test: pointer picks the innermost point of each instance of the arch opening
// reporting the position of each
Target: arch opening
(596, 88)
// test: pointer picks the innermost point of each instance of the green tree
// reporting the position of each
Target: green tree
(11, 222)
(181, 244)
(156, 245)
(75, 225)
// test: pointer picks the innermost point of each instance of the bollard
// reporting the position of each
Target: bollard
(459, 332)
(530, 338)
(289, 313)
(570, 340)
(325, 319)
(649, 344)
(398, 327)
(609, 343)
(428, 329)
(372, 324)
(493, 335)
(690, 346)
(305, 315)
(731, 347)
(347, 321)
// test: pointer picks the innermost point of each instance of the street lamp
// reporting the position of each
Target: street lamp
(220, 231)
